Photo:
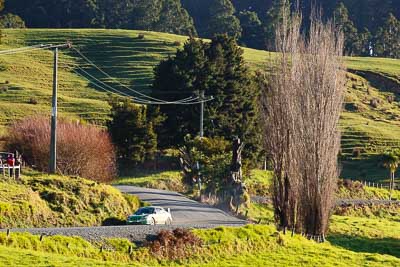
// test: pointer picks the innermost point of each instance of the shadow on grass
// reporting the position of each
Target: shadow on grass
(366, 169)
(389, 246)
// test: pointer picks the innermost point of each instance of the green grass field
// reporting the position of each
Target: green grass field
(25, 85)
(352, 242)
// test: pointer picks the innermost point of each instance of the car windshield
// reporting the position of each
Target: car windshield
(143, 211)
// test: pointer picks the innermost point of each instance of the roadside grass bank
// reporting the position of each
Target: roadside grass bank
(164, 180)
(352, 242)
(41, 200)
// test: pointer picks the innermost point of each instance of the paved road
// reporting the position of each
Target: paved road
(183, 210)
(186, 213)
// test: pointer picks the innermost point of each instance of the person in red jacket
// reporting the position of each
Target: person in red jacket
(10, 160)
(11, 164)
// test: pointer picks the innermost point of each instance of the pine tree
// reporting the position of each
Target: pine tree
(132, 130)
(218, 69)
(253, 34)
(175, 19)
(279, 10)
(364, 43)
(223, 20)
(1, 31)
(176, 78)
(146, 14)
(342, 20)
(387, 40)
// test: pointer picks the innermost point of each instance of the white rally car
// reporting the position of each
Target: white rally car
(150, 216)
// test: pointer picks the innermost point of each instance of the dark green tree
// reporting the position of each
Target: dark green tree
(114, 14)
(253, 34)
(218, 68)
(364, 43)
(279, 10)
(11, 21)
(132, 130)
(342, 20)
(223, 20)
(234, 112)
(177, 78)
(387, 40)
(175, 19)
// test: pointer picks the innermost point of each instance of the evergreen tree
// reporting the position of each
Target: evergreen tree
(222, 19)
(279, 10)
(114, 14)
(176, 78)
(175, 19)
(132, 130)
(253, 33)
(11, 21)
(146, 14)
(234, 109)
(364, 43)
(218, 68)
(387, 40)
(342, 20)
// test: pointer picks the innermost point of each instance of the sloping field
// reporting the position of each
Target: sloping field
(370, 123)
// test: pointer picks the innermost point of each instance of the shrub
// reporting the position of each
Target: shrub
(390, 98)
(357, 152)
(33, 101)
(176, 244)
(374, 103)
(82, 150)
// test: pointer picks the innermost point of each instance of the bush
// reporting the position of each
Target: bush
(176, 244)
(33, 101)
(374, 103)
(357, 152)
(82, 150)
(390, 98)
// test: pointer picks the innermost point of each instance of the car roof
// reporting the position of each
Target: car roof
(154, 207)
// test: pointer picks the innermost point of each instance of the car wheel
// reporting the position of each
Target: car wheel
(168, 222)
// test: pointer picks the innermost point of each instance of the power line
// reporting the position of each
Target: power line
(105, 87)
(26, 49)
(100, 84)
(121, 84)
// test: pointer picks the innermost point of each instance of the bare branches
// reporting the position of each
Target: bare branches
(301, 102)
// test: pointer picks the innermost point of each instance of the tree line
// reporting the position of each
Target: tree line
(371, 27)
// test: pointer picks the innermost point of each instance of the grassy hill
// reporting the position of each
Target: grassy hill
(369, 123)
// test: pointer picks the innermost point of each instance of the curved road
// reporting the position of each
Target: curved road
(183, 210)
(186, 213)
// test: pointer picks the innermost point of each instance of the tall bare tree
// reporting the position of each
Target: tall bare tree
(302, 96)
